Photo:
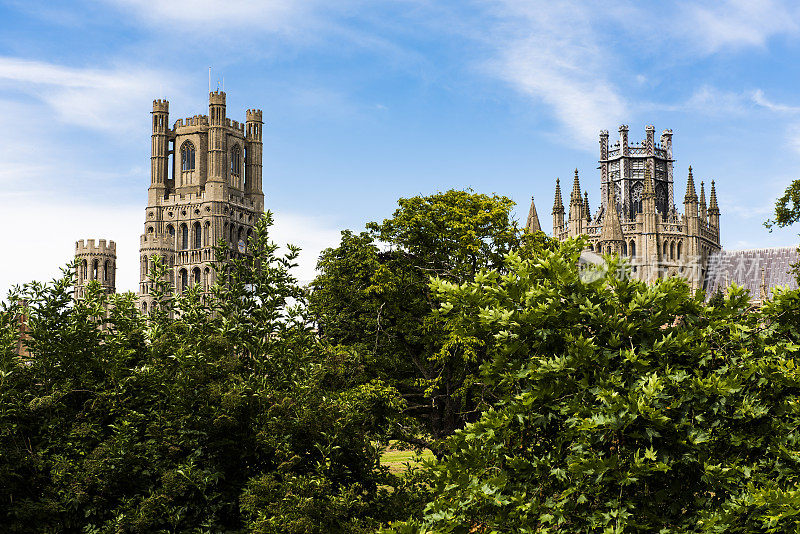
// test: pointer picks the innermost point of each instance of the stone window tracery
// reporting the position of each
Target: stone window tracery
(187, 156)
(236, 161)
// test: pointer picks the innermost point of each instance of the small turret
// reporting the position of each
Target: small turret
(95, 262)
(623, 139)
(159, 150)
(650, 130)
(603, 145)
(217, 181)
(558, 211)
(532, 225)
(253, 157)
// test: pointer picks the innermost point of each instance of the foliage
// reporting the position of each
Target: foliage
(625, 407)
(217, 413)
(787, 212)
(372, 295)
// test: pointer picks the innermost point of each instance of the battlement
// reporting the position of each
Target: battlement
(235, 125)
(216, 98)
(253, 115)
(161, 106)
(103, 247)
(197, 120)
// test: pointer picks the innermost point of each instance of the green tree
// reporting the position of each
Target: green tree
(787, 212)
(625, 407)
(216, 413)
(372, 295)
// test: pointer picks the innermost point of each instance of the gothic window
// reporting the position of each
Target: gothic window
(144, 308)
(184, 237)
(618, 195)
(171, 231)
(184, 277)
(206, 279)
(106, 271)
(636, 199)
(144, 265)
(236, 161)
(198, 236)
(84, 268)
(624, 248)
(672, 250)
(207, 234)
(661, 198)
(95, 270)
(680, 246)
(633, 249)
(196, 275)
(187, 156)
(666, 248)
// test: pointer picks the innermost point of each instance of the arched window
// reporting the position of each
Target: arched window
(236, 161)
(171, 232)
(198, 236)
(187, 156)
(144, 308)
(672, 250)
(95, 269)
(107, 271)
(632, 248)
(84, 269)
(680, 246)
(184, 280)
(184, 237)
(207, 234)
(144, 265)
(666, 248)
(624, 248)
(206, 279)
(636, 199)
(196, 275)
(233, 234)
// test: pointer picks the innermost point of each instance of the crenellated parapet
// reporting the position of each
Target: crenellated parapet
(96, 261)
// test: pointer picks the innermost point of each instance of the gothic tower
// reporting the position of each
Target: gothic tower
(95, 262)
(205, 187)
(637, 217)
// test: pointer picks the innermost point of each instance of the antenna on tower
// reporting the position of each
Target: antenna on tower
(223, 84)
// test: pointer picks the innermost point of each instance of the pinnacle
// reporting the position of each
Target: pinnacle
(586, 212)
(702, 194)
(575, 197)
(612, 227)
(691, 194)
(649, 187)
(533, 225)
(558, 204)
(712, 206)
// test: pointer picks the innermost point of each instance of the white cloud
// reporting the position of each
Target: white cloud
(760, 99)
(311, 234)
(103, 99)
(551, 53)
(714, 26)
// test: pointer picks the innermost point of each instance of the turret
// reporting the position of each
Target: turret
(217, 181)
(95, 262)
(713, 208)
(666, 142)
(532, 225)
(650, 142)
(159, 150)
(558, 211)
(623, 139)
(576, 215)
(253, 158)
(690, 216)
(603, 145)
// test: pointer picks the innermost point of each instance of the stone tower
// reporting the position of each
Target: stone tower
(205, 186)
(637, 217)
(95, 262)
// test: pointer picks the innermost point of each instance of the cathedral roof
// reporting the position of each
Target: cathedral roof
(752, 269)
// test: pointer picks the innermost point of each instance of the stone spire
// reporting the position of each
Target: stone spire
(649, 192)
(558, 204)
(558, 212)
(691, 194)
(586, 212)
(713, 208)
(612, 227)
(533, 226)
(703, 210)
(575, 196)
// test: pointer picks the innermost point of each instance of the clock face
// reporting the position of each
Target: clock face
(241, 246)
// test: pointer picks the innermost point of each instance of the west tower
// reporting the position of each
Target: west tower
(205, 186)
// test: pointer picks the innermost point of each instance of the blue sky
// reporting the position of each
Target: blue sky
(369, 101)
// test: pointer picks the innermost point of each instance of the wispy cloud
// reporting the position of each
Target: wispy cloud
(759, 98)
(104, 99)
(565, 70)
(718, 25)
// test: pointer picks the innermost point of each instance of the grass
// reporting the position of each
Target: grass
(397, 459)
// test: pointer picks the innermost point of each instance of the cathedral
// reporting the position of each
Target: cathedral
(205, 186)
(638, 220)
